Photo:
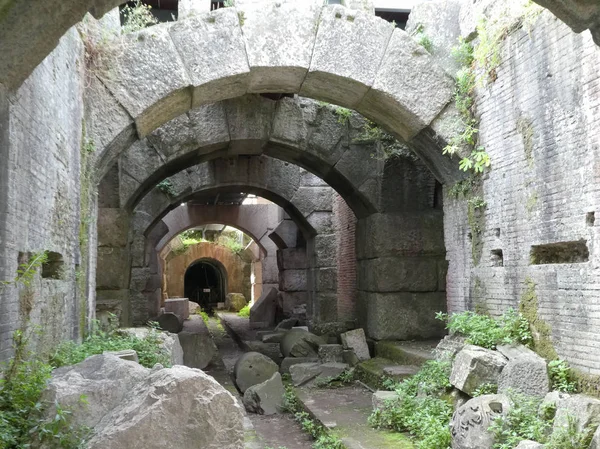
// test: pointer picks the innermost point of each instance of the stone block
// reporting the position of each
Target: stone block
(212, 48)
(400, 100)
(265, 398)
(525, 372)
(113, 227)
(279, 50)
(331, 353)
(235, 301)
(112, 269)
(291, 259)
(285, 235)
(331, 370)
(125, 354)
(253, 368)
(149, 80)
(199, 349)
(585, 410)
(194, 307)
(170, 322)
(264, 309)
(178, 306)
(449, 346)
(187, 8)
(168, 342)
(394, 274)
(475, 366)
(286, 324)
(287, 362)
(470, 422)
(271, 350)
(292, 280)
(291, 301)
(356, 340)
(349, 357)
(326, 279)
(380, 398)
(304, 372)
(358, 40)
(403, 316)
(274, 337)
(300, 343)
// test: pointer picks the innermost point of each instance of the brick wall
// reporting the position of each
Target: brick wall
(540, 124)
(344, 222)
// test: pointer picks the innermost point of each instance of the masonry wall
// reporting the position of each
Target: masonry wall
(344, 222)
(40, 153)
(540, 124)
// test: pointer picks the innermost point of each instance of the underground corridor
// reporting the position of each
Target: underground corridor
(299, 224)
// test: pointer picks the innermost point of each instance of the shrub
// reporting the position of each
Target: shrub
(485, 331)
(245, 311)
(561, 376)
(137, 17)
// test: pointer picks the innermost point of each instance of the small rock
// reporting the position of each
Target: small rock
(525, 372)
(286, 363)
(331, 353)
(356, 341)
(585, 410)
(331, 370)
(381, 397)
(235, 301)
(287, 324)
(528, 444)
(470, 422)
(300, 343)
(475, 366)
(265, 398)
(304, 372)
(125, 354)
(253, 368)
(349, 357)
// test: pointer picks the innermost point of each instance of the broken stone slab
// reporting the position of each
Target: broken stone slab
(286, 324)
(300, 343)
(235, 301)
(449, 346)
(356, 341)
(381, 398)
(263, 311)
(528, 444)
(287, 362)
(265, 398)
(331, 370)
(475, 366)
(123, 400)
(331, 353)
(270, 350)
(525, 372)
(199, 349)
(170, 322)
(168, 342)
(253, 368)
(178, 306)
(471, 421)
(585, 410)
(125, 354)
(304, 372)
(274, 337)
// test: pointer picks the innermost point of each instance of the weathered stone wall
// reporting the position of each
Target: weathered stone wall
(540, 124)
(175, 265)
(345, 231)
(40, 205)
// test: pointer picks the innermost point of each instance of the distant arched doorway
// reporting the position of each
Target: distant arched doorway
(205, 282)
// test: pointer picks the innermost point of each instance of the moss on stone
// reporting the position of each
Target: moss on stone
(586, 383)
(525, 128)
(541, 331)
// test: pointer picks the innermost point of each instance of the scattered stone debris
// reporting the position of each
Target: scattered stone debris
(253, 368)
(356, 341)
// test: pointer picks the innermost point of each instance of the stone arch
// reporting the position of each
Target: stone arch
(342, 56)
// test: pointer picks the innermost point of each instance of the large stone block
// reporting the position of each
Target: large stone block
(300, 343)
(112, 268)
(199, 349)
(279, 50)
(355, 340)
(262, 313)
(146, 75)
(584, 409)
(287, 362)
(265, 398)
(525, 372)
(291, 258)
(475, 366)
(402, 316)
(113, 227)
(331, 353)
(471, 421)
(292, 280)
(393, 274)
(291, 302)
(212, 48)
(285, 235)
(235, 301)
(358, 40)
(410, 89)
(179, 306)
(169, 342)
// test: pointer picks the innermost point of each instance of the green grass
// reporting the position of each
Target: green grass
(245, 311)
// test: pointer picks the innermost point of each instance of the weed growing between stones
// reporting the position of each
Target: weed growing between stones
(137, 17)
(422, 39)
(561, 376)
(482, 330)
(344, 378)
(420, 408)
(390, 146)
(167, 187)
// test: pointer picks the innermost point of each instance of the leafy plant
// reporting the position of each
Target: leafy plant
(485, 331)
(478, 161)
(485, 389)
(561, 376)
(570, 437)
(166, 187)
(390, 146)
(149, 348)
(343, 114)
(137, 16)
(231, 243)
(422, 38)
(245, 311)
(27, 270)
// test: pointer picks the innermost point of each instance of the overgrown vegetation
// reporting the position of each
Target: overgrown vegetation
(390, 146)
(422, 38)
(482, 330)
(244, 311)
(137, 16)
(344, 378)
(167, 187)
(203, 314)
(193, 237)
(561, 376)
(420, 408)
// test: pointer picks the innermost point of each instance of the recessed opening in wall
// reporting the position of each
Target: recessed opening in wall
(561, 252)
(497, 258)
(590, 218)
(54, 266)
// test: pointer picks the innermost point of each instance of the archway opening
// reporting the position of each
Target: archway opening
(205, 283)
